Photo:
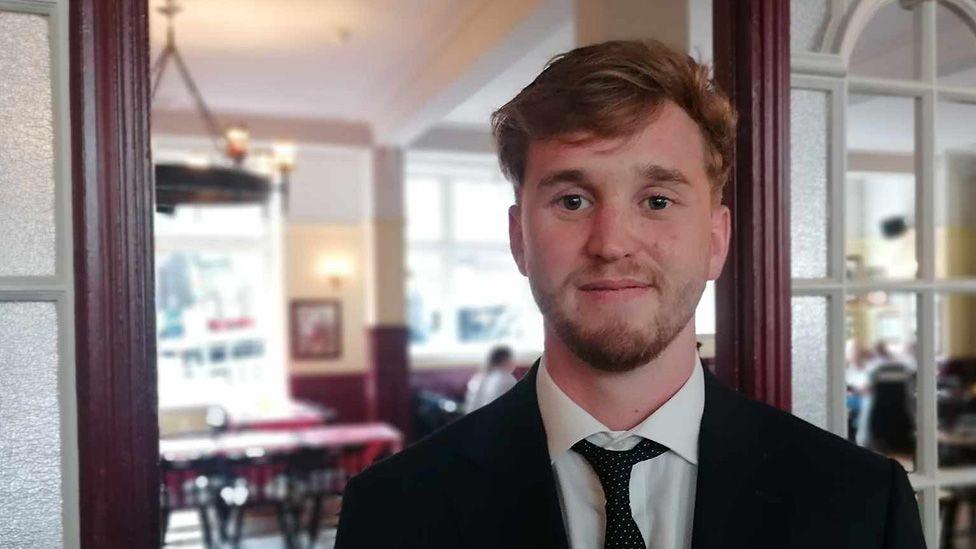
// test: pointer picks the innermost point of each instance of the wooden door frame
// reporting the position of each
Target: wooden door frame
(752, 64)
(112, 200)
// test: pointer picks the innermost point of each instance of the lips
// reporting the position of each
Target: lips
(612, 284)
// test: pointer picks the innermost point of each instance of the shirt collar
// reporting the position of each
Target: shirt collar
(675, 424)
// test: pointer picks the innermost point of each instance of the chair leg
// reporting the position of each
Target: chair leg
(314, 519)
(238, 527)
(163, 526)
(205, 526)
(223, 520)
(284, 526)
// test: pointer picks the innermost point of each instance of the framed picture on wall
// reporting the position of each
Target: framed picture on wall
(316, 329)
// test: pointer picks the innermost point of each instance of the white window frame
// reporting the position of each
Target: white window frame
(825, 70)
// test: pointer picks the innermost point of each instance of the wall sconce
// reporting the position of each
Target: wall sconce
(336, 269)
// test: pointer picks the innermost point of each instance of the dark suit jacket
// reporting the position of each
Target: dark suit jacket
(765, 479)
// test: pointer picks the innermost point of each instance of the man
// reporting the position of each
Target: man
(493, 381)
(617, 437)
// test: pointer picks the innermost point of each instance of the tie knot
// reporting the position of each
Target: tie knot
(617, 462)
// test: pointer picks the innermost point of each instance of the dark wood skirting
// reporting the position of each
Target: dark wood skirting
(345, 393)
(450, 381)
(113, 269)
(389, 396)
(752, 48)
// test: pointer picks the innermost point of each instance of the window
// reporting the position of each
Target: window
(216, 331)
(883, 215)
(464, 292)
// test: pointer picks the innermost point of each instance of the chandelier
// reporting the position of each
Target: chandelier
(182, 184)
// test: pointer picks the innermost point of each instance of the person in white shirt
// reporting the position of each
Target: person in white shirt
(617, 437)
(492, 381)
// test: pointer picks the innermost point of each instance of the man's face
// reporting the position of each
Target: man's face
(618, 237)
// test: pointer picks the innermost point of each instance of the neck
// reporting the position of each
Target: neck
(621, 400)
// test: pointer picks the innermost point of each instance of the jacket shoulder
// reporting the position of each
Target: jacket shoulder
(430, 459)
(818, 460)
(410, 491)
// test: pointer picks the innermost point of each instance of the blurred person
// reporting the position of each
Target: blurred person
(491, 382)
(617, 437)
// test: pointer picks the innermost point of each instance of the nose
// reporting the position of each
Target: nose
(611, 233)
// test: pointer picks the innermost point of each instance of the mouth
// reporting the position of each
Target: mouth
(614, 289)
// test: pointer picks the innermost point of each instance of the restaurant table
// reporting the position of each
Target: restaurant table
(294, 415)
(374, 440)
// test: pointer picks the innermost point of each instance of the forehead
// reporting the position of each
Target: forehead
(669, 138)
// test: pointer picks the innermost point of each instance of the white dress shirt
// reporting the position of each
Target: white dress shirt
(486, 386)
(662, 489)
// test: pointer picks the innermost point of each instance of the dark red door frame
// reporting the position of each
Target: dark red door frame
(113, 266)
(752, 62)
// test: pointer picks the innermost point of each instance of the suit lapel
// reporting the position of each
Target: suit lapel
(516, 482)
(735, 506)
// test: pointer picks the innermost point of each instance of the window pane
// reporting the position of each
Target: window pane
(705, 312)
(955, 190)
(480, 210)
(880, 374)
(880, 188)
(808, 19)
(955, 349)
(425, 297)
(212, 311)
(808, 183)
(888, 46)
(425, 208)
(27, 247)
(213, 221)
(956, 39)
(30, 431)
(956, 516)
(810, 359)
(493, 301)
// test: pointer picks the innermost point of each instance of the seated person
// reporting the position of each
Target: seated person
(491, 382)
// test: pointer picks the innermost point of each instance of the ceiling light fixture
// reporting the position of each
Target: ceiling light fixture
(210, 183)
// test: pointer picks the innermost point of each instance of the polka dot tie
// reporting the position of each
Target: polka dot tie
(613, 468)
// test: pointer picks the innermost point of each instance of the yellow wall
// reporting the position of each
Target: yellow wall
(305, 247)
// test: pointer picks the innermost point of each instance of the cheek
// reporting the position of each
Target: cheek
(551, 251)
(680, 247)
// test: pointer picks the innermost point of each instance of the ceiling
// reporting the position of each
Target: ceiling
(477, 109)
(281, 58)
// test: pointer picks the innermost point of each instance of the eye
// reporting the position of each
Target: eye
(573, 202)
(658, 202)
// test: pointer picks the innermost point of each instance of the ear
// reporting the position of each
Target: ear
(515, 237)
(720, 232)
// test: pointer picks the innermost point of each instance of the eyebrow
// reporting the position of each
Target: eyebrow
(658, 173)
(564, 176)
(648, 172)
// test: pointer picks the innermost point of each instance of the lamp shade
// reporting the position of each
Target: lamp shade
(178, 184)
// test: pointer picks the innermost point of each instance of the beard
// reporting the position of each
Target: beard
(611, 343)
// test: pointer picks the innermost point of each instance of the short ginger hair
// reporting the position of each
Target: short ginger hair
(609, 90)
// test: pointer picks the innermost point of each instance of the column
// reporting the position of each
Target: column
(388, 390)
